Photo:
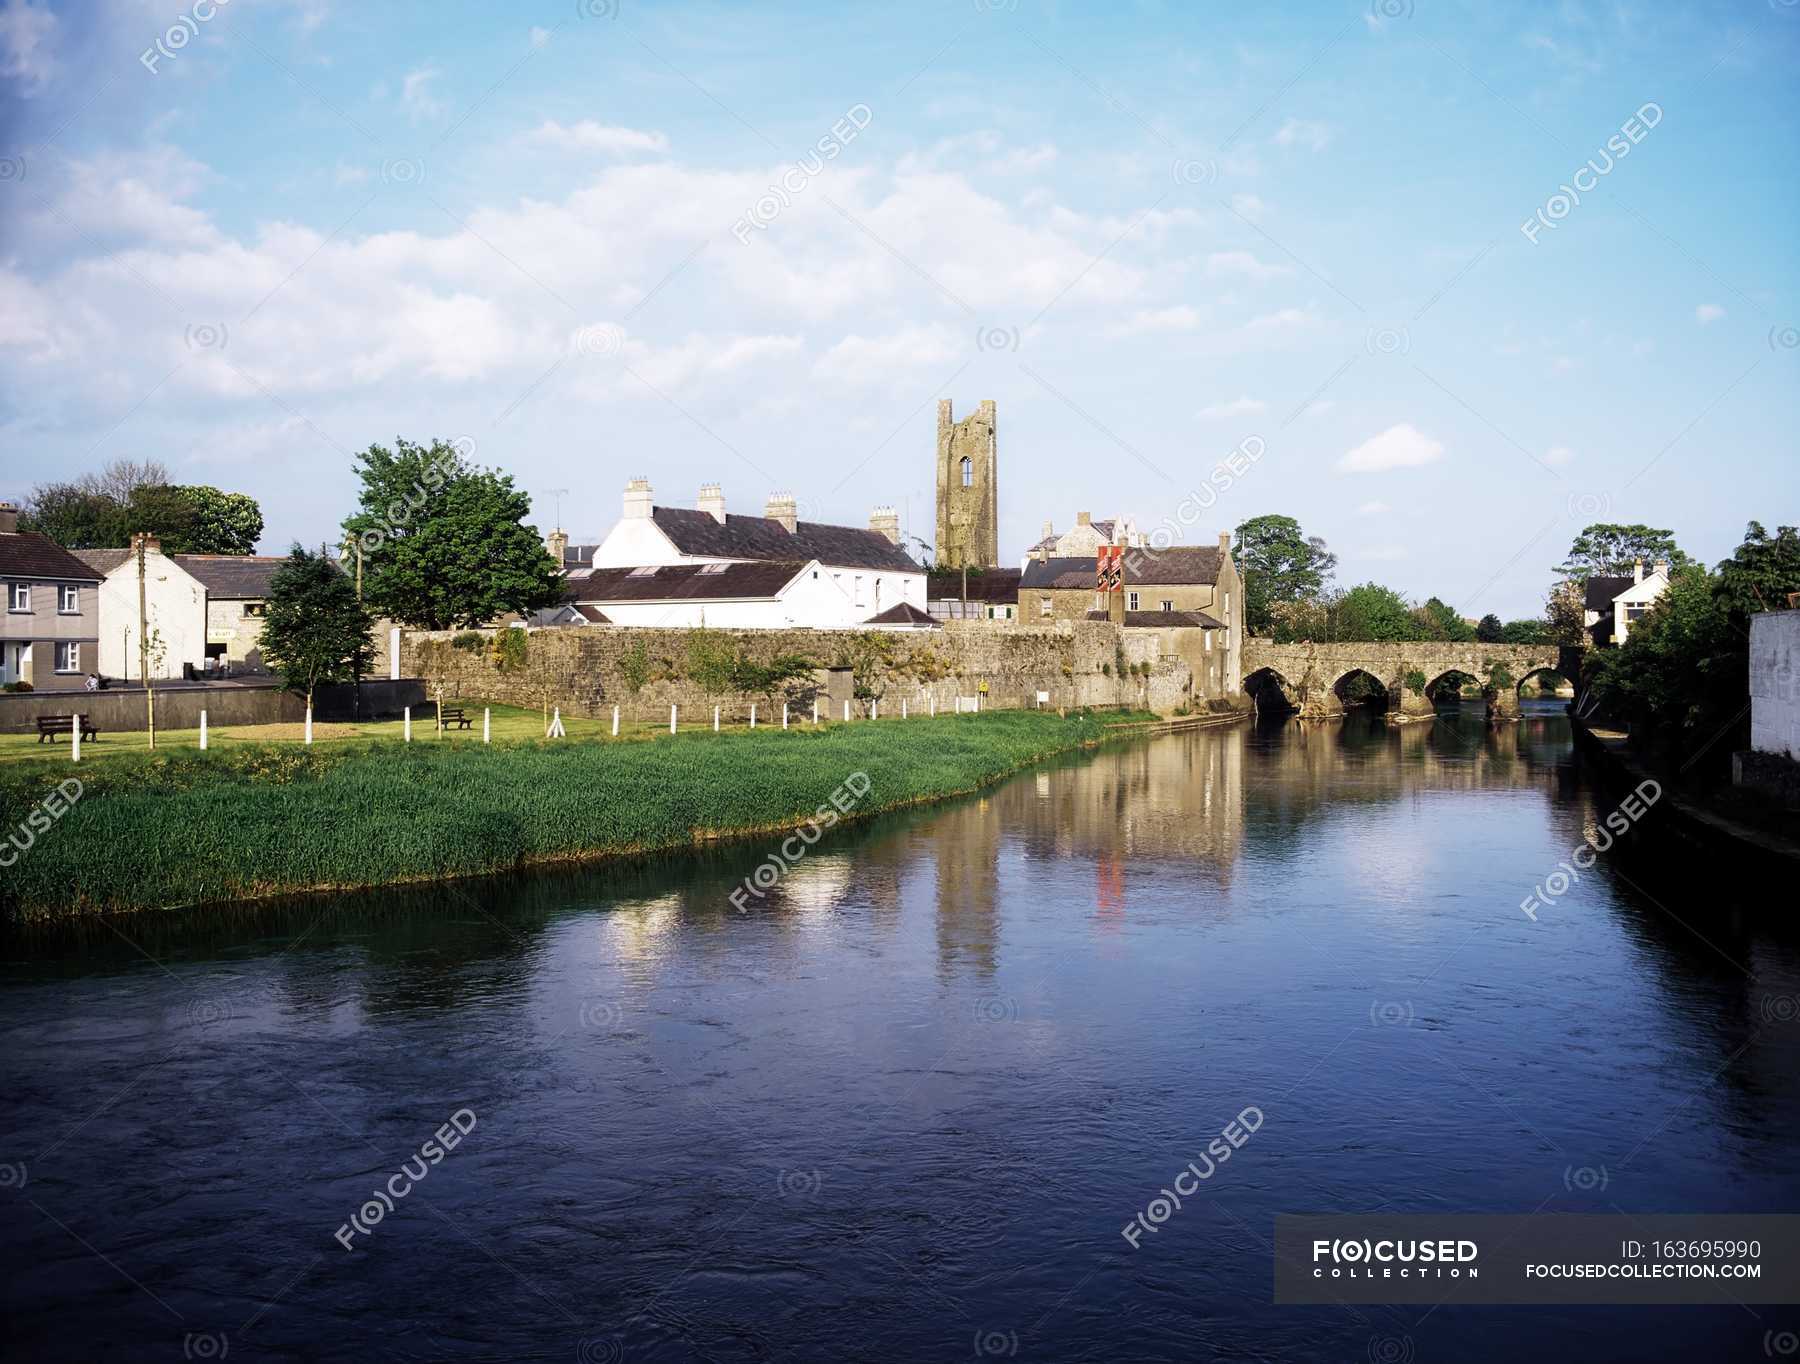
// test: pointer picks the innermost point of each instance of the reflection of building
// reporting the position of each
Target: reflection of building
(968, 878)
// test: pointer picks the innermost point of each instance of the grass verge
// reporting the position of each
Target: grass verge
(188, 829)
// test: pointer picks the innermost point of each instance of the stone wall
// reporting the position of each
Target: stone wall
(1775, 683)
(587, 671)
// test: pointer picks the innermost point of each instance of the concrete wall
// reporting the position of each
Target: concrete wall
(178, 705)
(585, 670)
(1775, 683)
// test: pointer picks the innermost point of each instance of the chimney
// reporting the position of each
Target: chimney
(712, 501)
(556, 542)
(637, 499)
(1049, 529)
(885, 521)
(782, 507)
(1224, 543)
(1637, 571)
(1661, 566)
(1084, 518)
(152, 544)
(9, 518)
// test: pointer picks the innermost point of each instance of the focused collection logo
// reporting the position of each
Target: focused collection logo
(1395, 1258)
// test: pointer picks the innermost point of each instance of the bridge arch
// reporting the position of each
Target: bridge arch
(1357, 686)
(1450, 684)
(1271, 693)
(1545, 671)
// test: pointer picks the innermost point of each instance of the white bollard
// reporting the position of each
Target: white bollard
(846, 712)
(75, 739)
(815, 710)
(934, 705)
(203, 730)
(753, 715)
(715, 719)
(615, 722)
(874, 710)
(556, 724)
(486, 718)
(406, 723)
(309, 722)
(672, 719)
(784, 714)
(903, 708)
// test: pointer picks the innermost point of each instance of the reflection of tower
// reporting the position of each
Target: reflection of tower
(968, 877)
(968, 511)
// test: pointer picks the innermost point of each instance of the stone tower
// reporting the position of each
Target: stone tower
(968, 518)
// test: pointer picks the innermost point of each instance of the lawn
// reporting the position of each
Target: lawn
(181, 827)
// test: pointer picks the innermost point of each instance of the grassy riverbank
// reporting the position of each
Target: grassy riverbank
(214, 828)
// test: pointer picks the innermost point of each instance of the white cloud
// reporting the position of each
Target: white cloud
(1180, 318)
(1301, 132)
(1320, 407)
(25, 43)
(415, 93)
(1558, 455)
(1282, 321)
(1399, 447)
(1708, 312)
(1244, 406)
(868, 361)
(350, 175)
(1373, 509)
(1251, 206)
(1244, 265)
(589, 136)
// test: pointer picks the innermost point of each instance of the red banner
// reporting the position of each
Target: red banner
(1109, 568)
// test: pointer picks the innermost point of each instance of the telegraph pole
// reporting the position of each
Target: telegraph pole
(144, 642)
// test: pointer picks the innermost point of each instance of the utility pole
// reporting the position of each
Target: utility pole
(144, 642)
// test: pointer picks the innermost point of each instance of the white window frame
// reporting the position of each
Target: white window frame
(1168, 604)
(20, 598)
(74, 648)
(1209, 641)
(69, 600)
(1045, 607)
(1131, 601)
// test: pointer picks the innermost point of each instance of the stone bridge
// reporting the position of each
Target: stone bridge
(1317, 679)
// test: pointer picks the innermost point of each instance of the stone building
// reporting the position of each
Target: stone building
(206, 610)
(1086, 536)
(968, 507)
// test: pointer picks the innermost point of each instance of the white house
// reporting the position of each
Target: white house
(1611, 604)
(202, 609)
(806, 573)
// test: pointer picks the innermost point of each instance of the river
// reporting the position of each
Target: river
(902, 1108)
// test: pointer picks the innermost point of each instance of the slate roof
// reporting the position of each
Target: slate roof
(1059, 573)
(230, 577)
(1165, 619)
(758, 537)
(989, 585)
(690, 582)
(905, 614)
(569, 613)
(102, 561)
(1181, 567)
(26, 554)
(1600, 592)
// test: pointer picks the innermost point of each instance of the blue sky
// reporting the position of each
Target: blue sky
(1148, 231)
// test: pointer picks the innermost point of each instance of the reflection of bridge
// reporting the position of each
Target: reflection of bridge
(1317, 679)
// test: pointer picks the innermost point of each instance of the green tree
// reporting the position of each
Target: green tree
(1606, 548)
(74, 517)
(1374, 612)
(1437, 620)
(1563, 615)
(316, 631)
(1759, 576)
(1489, 630)
(220, 522)
(445, 544)
(1524, 632)
(1278, 563)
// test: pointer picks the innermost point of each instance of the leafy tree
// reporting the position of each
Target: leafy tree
(1523, 632)
(74, 517)
(1374, 612)
(445, 544)
(1563, 615)
(220, 522)
(1437, 620)
(1489, 630)
(1761, 573)
(1279, 563)
(1606, 548)
(316, 631)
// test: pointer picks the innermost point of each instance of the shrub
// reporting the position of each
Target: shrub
(469, 641)
(634, 666)
(1415, 682)
(511, 649)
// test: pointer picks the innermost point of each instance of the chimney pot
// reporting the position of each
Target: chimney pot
(782, 508)
(9, 518)
(1224, 542)
(1660, 566)
(1637, 571)
(886, 521)
(712, 501)
(1084, 518)
(557, 542)
(638, 499)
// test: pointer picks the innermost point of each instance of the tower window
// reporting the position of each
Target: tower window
(968, 472)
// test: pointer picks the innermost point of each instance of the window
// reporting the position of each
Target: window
(68, 656)
(21, 596)
(1044, 606)
(1228, 608)
(256, 610)
(968, 472)
(70, 603)
(878, 594)
(1131, 601)
(1633, 612)
(710, 569)
(1168, 605)
(859, 590)
(646, 572)
(1209, 641)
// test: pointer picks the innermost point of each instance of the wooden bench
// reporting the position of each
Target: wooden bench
(454, 715)
(49, 726)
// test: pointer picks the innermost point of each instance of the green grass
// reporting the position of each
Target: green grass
(182, 828)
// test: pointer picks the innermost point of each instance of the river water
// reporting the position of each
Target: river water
(903, 1107)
